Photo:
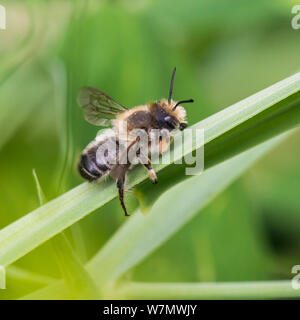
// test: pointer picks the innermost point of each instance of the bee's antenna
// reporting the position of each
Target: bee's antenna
(171, 86)
(180, 102)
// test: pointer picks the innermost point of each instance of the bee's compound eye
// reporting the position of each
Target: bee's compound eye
(170, 122)
(182, 126)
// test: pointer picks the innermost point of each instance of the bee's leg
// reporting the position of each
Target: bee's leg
(164, 143)
(151, 171)
(145, 161)
(120, 187)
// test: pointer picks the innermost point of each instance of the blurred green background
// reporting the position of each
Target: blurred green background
(224, 51)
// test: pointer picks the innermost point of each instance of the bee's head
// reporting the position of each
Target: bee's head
(169, 114)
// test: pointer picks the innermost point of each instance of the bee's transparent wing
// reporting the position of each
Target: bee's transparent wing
(99, 109)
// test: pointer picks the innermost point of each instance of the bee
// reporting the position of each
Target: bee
(101, 110)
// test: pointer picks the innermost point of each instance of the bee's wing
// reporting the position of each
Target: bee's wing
(99, 109)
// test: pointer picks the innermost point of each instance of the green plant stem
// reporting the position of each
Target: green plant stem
(225, 290)
(22, 275)
(77, 279)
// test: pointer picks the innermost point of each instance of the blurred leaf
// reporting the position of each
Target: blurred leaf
(28, 88)
(21, 281)
(40, 193)
(15, 57)
(20, 274)
(226, 290)
(229, 221)
(77, 279)
(56, 290)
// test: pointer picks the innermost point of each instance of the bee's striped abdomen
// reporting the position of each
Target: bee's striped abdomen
(89, 168)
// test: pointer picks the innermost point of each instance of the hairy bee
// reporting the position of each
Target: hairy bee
(99, 109)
